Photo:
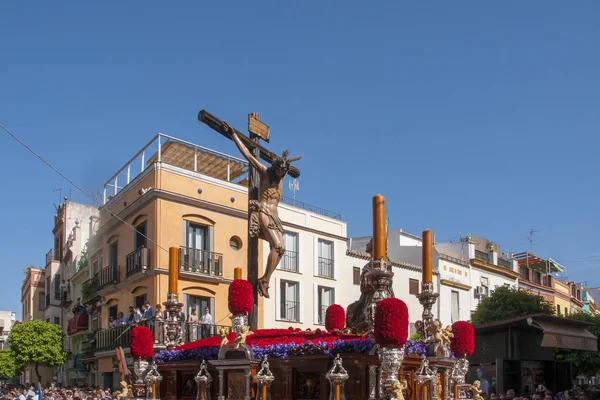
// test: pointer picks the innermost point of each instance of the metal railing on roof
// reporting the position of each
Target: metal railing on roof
(311, 208)
(153, 152)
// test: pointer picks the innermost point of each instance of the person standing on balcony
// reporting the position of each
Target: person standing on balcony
(149, 313)
(193, 320)
(131, 318)
(207, 321)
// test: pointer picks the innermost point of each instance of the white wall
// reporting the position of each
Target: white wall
(454, 272)
(310, 227)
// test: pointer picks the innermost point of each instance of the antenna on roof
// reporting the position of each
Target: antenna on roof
(294, 186)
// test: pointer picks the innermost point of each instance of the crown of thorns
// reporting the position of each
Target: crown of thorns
(283, 161)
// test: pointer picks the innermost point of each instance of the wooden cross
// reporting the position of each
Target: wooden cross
(258, 131)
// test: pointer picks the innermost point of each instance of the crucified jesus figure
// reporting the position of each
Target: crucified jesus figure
(264, 221)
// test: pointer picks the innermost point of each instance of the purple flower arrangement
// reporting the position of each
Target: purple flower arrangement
(286, 350)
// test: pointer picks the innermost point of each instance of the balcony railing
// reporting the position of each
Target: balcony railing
(325, 267)
(536, 277)
(524, 273)
(108, 339)
(548, 280)
(504, 263)
(311, 208)
(65, 298)
(57, 295)
(199, 261)
(290, 310)
(137, 261)
(289, 261)
(77, 324)
(322, 312)
(107, 276)
(481, 255)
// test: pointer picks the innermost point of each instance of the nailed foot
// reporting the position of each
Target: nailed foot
(263, 288)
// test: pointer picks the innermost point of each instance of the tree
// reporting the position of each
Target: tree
(507, 302)
(8, 365)
(584, 362)
(37, 342)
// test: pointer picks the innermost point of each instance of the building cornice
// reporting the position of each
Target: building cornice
(367, 257)
(315, 231)
(534, 287)
(494, 268)
(578, 302)
(456, 285)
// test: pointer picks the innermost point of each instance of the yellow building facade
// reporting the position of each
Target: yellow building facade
(187, 197)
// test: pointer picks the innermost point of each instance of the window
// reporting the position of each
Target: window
(289, 261)
(195, 254)
(235, 243)
(413, 286)
(356, 276)
(140, 236)
(325, 259)
(42, 301)
(56, 286)
(558, 309)
(138, 301)
(113, 255)
(289, 301)
(524, 273)
(485, 286)
(455, 306)
(56, 320)
(113, 311)
(326, 298)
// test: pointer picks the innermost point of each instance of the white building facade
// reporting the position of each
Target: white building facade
(7, 319)
(463, 273)
(314, 272)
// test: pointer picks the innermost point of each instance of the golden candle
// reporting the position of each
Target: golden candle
(264, 391)
(173, 269)
(427, 256)
(237, 273)
(154, 390)
(202, 390)
(337, 390)
(379, 231)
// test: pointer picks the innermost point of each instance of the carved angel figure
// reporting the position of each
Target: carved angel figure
(476, 391)
(241, 338)
(223, 336)
(398, 389)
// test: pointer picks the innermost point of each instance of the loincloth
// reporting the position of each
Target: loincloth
(254, 228)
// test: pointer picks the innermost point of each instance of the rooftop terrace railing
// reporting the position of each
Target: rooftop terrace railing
(153, 152)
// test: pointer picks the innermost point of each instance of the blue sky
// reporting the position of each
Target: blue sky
(468, 117)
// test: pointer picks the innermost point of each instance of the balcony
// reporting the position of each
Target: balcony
(65, 298)
(289, 261)
(77, 324)
(325, 267)
(108, 339)
(504, 263)
(290, 311)
(89, 291)
(137, 261)
(107, 276)
(524, 273)
(481, 255)
(200, 262)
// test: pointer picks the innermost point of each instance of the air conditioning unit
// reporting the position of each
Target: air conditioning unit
(481, 291)
(477, 292)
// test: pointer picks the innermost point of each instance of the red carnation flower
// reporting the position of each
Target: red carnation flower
(391, 322)
(463, 342)
(142, 342)
(241, 297)
(335, 318)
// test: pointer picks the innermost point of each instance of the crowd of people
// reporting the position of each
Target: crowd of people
(54, 392)
(197, 327)
(542, 393)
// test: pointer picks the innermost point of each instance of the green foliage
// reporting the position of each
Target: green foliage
(8, 365)
(506, 303)
(88, 289)
(583, 362)
(37, 342)
(27, 270)
(415, 337)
